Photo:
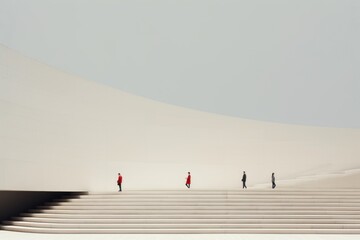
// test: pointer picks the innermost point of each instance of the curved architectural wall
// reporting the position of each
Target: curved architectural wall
(60, 132)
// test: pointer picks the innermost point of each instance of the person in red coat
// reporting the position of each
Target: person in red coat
(188, 180)
(119, 181)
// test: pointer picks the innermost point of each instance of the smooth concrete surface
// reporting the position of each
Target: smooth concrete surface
(342, 179)
(64, 133)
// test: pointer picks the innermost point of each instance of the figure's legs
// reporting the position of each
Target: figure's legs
(119, 187)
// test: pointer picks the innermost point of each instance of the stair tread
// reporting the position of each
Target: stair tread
(198, 211)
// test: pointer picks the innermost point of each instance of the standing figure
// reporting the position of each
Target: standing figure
(273, 180)
(188, 180)
(119, 181)
(244, 180)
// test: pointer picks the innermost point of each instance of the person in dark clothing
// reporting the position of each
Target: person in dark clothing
(244, 180)
(119, 181)
(188, 180)
(273, 180)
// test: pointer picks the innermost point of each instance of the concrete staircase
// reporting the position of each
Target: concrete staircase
(198, 211)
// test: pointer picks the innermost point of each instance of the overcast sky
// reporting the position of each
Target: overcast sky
(285, 61)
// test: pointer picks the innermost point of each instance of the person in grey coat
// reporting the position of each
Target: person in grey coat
(244, 180)
(273, 180)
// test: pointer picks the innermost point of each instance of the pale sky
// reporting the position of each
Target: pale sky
(274, 60)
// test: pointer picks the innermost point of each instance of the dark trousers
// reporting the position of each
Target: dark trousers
(273, 185)
(244, 184)
(188, 185)
(119, 187)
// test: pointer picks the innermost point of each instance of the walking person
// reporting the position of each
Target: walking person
(244, 180)
(119, 181)
(188, 180)
(273, 180)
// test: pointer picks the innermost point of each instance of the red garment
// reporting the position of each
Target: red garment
(188, 180)
(119, 181)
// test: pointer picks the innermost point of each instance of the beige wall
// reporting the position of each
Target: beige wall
(60, 132)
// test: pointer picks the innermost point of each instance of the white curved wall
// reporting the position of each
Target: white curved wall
(60, 132)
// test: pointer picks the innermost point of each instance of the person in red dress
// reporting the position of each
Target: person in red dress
(188, 180)
(119, 181)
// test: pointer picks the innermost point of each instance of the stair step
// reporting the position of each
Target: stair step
(183, 231)
(198, 211)
(192, 221)
(235, 191)
(223, 197)
(199, 208)
(186, 204)
(182, 225)
(191, 216)
(220, 201)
